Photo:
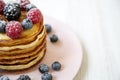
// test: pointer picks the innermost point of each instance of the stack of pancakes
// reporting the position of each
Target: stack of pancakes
(24, 52)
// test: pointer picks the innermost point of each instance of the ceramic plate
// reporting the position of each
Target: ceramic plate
(67, 51)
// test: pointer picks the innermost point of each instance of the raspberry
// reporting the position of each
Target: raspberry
(13, 29)
(2, 4)
(23, 3)
(34, 15)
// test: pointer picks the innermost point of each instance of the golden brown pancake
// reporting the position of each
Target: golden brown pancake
(20, 60)
(23, 55)
(23, 66)
(25, 51)
(26, 37)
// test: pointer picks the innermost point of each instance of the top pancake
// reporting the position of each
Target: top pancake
(27, 36)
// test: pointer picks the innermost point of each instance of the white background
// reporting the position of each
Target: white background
(97, 25)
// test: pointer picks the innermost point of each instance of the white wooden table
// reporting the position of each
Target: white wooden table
(97, 25)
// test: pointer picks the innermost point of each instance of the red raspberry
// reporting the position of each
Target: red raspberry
(23, 3)
(34, 15)
(2, 4)
(14, 29)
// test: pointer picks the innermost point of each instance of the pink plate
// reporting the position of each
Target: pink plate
(67, 51)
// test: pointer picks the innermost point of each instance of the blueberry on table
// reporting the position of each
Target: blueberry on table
(46, 76)
(53, 38)
(24, 77)
(4, 78)
(48, 28)
(56, 66)
(43, 68)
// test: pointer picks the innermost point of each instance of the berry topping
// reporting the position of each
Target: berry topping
(48, 28)
(4, 78)
(12, 11)
(30, 6)
(23, 3)
(56, 66)
(2, 4)
(27, 24)
(43, 68)
(46, 76)
(53, 38)
(13, 29)
(2, 26)
(17, 5)
(24, 77)
(34, 15)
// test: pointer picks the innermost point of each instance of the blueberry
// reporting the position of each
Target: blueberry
(43, 68)
(27, 24)
(56, 66)
(2, 26)
(48, 28)
(24, 77)
(29, 6)
(53, 38)
(46, 76)
(4, 78)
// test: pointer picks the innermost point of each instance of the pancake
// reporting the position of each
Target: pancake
(20, 60)
(26, 37)
(24, 66)
(25, 51)
(20, 48)
(23, 55)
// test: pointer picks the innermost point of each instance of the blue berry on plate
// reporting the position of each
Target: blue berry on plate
(4, 78)
(24, 77)
(2, 26)
(56, 66)
(48, 28)
(43, 68)
(27, 24)
(30, 6)
(53, 38)
(46, 76)
(12, 11)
